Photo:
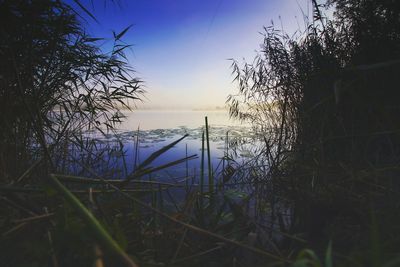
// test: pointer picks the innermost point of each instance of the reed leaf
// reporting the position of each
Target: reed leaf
(153, 157)
(102, 236)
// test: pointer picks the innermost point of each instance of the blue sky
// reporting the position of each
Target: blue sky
(181, 48)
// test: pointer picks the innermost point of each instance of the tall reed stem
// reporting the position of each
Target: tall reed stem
(202, 171)
(210, 169)
(210, 174)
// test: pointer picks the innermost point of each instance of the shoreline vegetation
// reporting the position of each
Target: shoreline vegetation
(319, 185)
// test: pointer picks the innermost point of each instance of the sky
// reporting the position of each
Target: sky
(181, 48)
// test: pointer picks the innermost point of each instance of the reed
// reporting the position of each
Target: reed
(202, 176)
(323, 169)
(186, 169)
(312, 99)
(210, 172)
(49, 130)
(99, 232)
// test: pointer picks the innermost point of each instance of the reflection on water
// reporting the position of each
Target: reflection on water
(232, 148)
(159, 128)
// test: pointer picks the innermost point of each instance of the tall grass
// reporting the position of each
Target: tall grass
(124, 225)
(322, 102)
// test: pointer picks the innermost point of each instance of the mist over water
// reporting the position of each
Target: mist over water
(169, 119)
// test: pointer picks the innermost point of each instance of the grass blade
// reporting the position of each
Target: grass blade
(100, 233)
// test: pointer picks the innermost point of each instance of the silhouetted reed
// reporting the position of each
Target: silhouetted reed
(322, 102)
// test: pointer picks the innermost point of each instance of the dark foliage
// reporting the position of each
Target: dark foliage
(54, 81)
(325, 103)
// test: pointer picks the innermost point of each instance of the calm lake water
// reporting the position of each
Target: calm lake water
(158, 128)
(170, 119)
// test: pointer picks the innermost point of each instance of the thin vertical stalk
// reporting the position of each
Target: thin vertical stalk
(136, 150)
(225, 154)
(154, 201)
(161, 198)
(187, 170)
(98, 253)
(121, 148)
(50, 239)
(210, 175)
(202, 171)
(136, 210)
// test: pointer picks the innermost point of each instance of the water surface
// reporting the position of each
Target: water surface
(146, 131)
(170, 119)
